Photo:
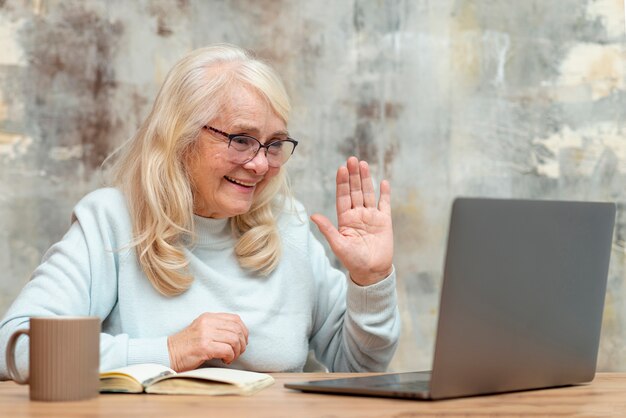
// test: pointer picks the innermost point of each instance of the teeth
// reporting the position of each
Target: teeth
(240, 182)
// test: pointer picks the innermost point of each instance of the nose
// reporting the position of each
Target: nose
(259, 163)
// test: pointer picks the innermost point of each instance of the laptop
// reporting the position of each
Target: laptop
(521, 302)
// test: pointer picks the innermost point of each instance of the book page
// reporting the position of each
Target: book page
(232, 376)
(142, 373)
(211, 381)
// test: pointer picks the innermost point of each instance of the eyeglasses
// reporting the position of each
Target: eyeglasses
(243, 148)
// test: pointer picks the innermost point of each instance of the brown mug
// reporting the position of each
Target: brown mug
(64, 358)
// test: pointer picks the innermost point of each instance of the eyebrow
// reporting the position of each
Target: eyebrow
(252, 129)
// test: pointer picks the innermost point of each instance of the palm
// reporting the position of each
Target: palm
(363, 241)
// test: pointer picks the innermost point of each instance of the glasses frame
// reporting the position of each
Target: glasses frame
(230, 137)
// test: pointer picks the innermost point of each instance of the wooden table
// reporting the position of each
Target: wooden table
(605, 396)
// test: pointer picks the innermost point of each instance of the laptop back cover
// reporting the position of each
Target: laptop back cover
(522, 296)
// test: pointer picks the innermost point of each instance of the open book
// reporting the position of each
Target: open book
(155, 378)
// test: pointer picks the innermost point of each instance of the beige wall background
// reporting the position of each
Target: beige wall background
(497, 98)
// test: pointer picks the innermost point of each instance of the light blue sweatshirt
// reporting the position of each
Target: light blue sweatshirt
(304, 304)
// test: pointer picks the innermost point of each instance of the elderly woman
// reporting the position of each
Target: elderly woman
(198, 255)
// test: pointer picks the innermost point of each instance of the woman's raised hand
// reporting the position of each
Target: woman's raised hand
(363, 241)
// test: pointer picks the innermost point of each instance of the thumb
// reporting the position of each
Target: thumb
(327, 229)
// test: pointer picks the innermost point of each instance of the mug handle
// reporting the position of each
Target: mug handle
(10, 357)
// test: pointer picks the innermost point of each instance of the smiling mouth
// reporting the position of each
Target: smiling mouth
(239, 182)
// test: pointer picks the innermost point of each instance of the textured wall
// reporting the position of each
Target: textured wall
(445, 98)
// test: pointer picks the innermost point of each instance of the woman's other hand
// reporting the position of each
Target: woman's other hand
(363, 241)
(210, 336)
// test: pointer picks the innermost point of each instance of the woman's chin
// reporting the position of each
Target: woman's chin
(226, 211)
(237, 210)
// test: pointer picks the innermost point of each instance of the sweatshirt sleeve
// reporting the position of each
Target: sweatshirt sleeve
(78, 277)
(355, 329)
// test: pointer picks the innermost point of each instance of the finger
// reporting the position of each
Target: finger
(344, 202)
(232, 339)
(384, 203)
(369, 196)
(242, 336)
(356, 194)
(219, 350)
(233, 324)
(236, 321)
(329, 231)
(236, 331)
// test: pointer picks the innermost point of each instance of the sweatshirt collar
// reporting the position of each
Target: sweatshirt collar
(211, 231)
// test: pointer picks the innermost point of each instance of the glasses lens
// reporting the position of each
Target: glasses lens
(243, 148)
(279, 152)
